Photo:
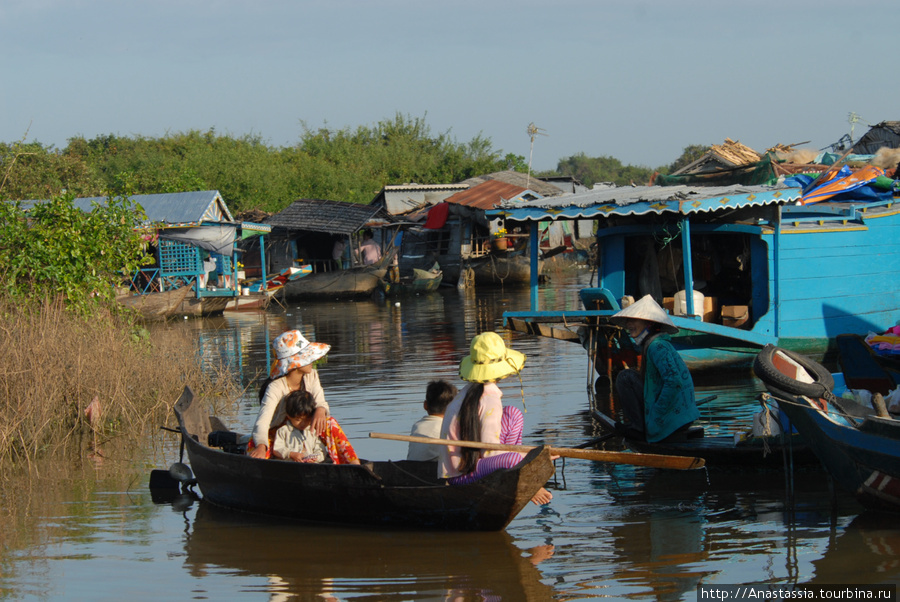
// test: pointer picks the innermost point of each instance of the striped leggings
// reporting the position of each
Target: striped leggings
(511, 426)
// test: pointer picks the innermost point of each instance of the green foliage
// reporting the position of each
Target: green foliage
(56, 250)
(591, 170)
(348, 164)
(690, 154)
(353, 165)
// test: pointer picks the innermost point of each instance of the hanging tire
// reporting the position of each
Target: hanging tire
(765, 370)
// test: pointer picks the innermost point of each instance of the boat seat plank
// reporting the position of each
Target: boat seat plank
(883, 427)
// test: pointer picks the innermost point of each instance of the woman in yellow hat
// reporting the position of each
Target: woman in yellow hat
(477, 413)
(657, 400)
(293, 371)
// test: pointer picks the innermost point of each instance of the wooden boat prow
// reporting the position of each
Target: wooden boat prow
(402, 494)
(158, 305)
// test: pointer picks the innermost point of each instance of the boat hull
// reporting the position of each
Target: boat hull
(399, 495)
(203, 307)
(156, 306)
(723, 451)
(861, 451)
(354, 282)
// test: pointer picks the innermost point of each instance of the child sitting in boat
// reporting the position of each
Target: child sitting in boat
(297, 441)
(294, 371)
(438, 395)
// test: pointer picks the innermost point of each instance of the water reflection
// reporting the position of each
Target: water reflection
(611, 531)
(308, 563)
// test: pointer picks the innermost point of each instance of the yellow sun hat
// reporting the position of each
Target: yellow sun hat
(490, 359)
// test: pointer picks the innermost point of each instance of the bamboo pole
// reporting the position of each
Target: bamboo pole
(634, 459)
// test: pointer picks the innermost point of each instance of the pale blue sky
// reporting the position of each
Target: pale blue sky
(636, 80)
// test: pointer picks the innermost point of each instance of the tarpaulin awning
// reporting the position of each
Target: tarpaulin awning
(437, 216)
(215, 239)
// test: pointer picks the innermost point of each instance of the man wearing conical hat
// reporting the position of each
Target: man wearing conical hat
(658, 400)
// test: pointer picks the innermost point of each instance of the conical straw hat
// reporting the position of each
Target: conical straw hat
(645, 309)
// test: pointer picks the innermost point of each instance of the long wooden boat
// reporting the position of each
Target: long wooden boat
(859, 449)
(156, 306)
(767, 266)
(723, 451)
(401, 494)
(352, 282)
(503, 268)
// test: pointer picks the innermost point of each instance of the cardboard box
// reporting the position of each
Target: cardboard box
(710, 309)
(735, 315)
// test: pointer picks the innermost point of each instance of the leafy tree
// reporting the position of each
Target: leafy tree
(54, 249)
(690, 154)
(591, 170)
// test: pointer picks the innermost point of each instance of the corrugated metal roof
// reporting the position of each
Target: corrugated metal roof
(486, 195)
(517, 178)
(174, 208)
(332, 217)
(642, 200)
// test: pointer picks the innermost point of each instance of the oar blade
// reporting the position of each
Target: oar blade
(632, 458)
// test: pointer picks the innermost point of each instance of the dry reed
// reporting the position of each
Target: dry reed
(56, 364)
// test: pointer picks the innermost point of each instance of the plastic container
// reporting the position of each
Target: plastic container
(681, 303)
(245, 291)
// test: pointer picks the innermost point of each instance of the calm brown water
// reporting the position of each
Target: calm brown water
(92, 532)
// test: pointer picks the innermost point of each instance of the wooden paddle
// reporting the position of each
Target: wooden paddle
(653, 460)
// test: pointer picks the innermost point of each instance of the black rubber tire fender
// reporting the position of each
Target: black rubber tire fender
(765, 370)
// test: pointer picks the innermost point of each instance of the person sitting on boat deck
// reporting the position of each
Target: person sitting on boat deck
(658, 400)
(297, 441)
(477, 413)
(369, 250)
(438, 395)
(292, 371)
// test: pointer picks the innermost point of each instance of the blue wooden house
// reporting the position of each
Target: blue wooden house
(195, 243)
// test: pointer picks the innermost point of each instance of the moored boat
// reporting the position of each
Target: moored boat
(403, 494)
(744, 451)
(352, 282)
(859, 447)
(158, 305)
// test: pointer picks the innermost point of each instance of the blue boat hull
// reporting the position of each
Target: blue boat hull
(863, 460)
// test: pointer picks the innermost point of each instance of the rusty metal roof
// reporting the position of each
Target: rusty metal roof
(486, 195)
(517, 178)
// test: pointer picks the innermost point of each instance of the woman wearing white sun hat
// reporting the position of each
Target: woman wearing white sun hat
(658, 400)
(292, 371)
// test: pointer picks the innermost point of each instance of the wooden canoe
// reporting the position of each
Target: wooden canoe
(401, 495)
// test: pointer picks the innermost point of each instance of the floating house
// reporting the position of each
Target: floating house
(193, 243)
(328, 235)
(738, 266)
(469, 248)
